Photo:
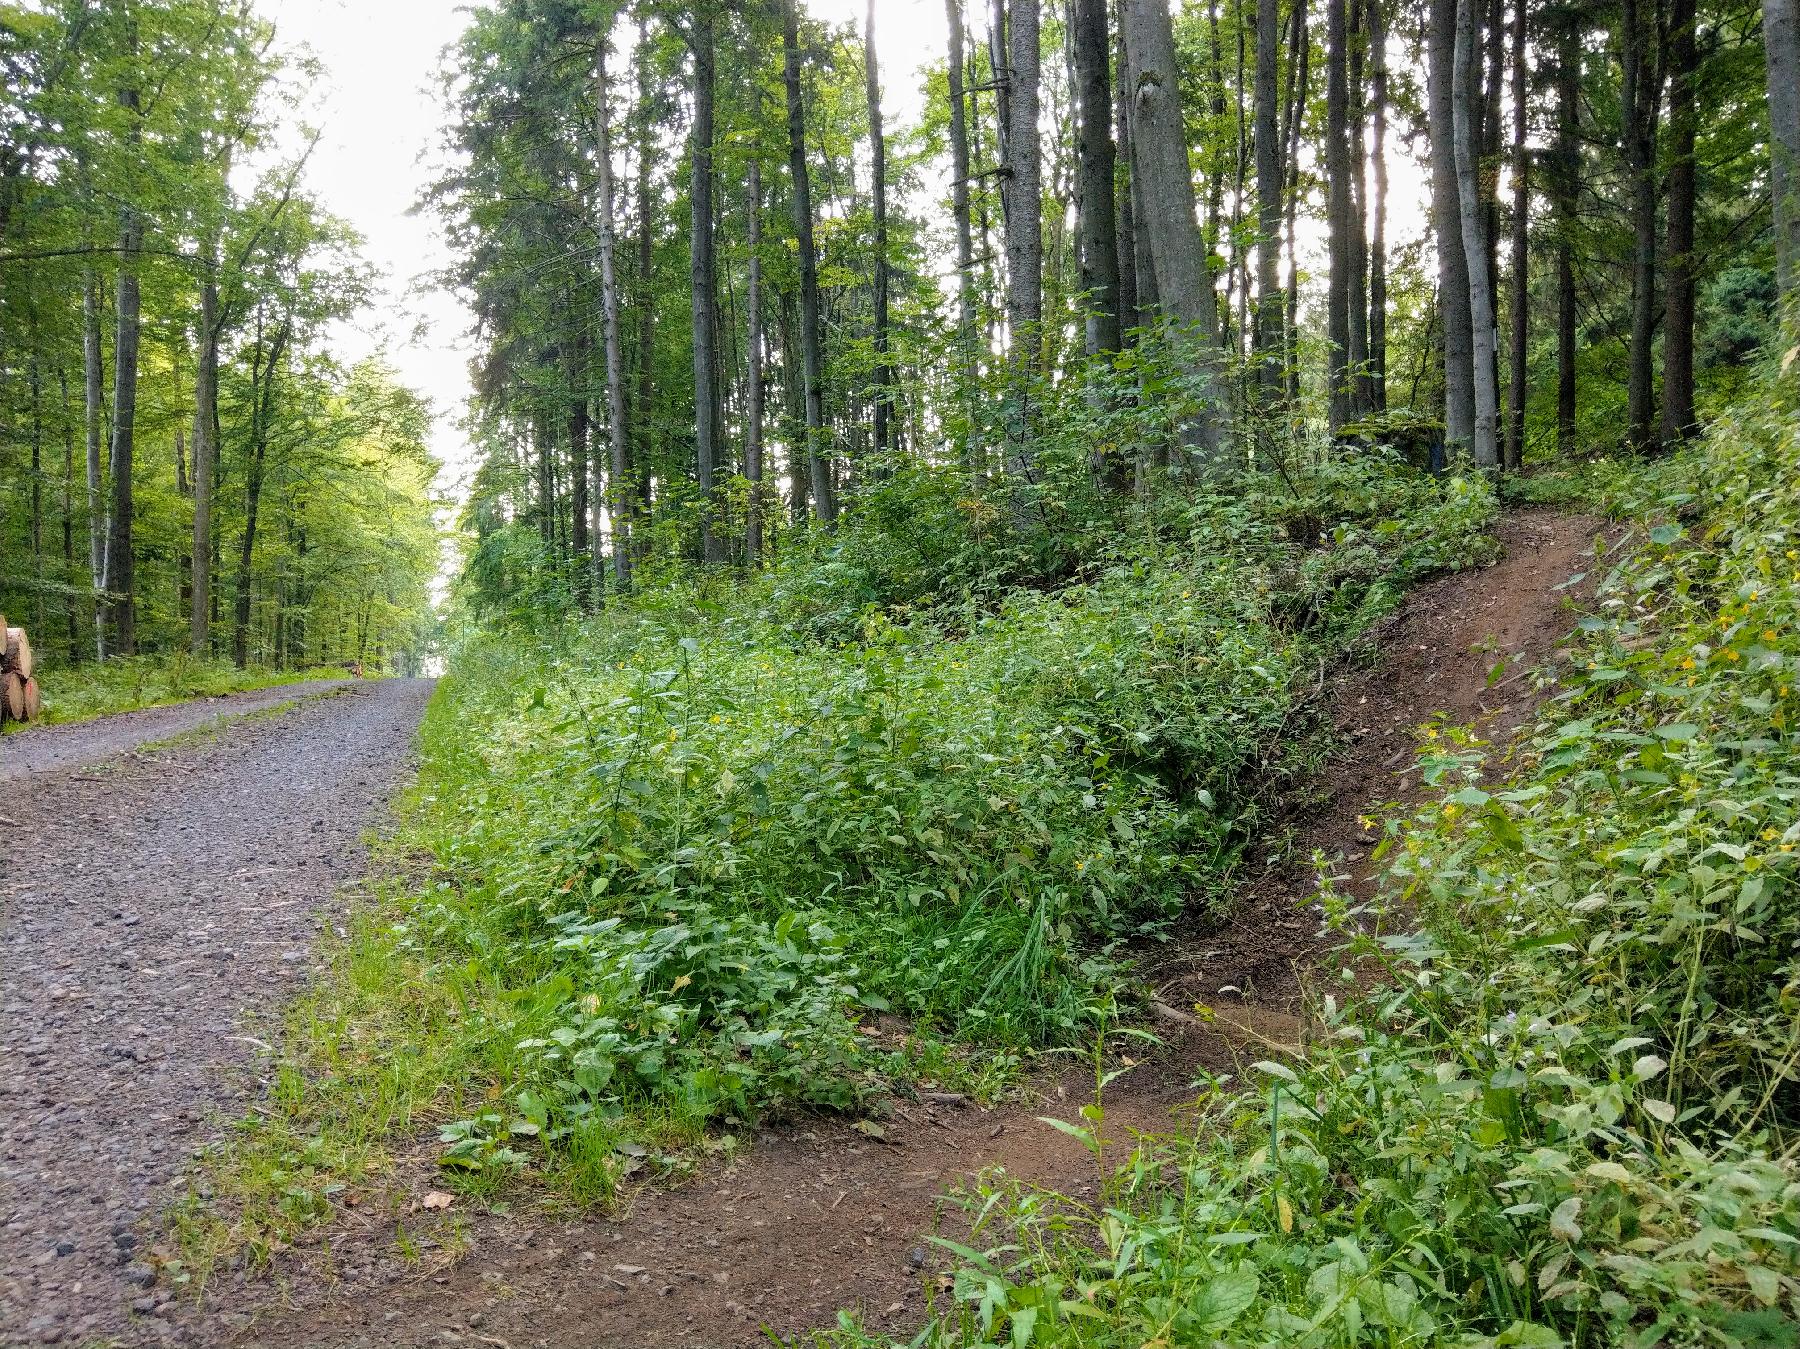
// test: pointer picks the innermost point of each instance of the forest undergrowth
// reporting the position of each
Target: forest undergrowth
(937, 769)
(130, 683)
(1567, 1116)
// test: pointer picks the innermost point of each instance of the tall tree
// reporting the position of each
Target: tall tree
(120, 565)
(1678, 419)
(1096, 161)
(884, 373)
(1568, 182)
(1023, 196)
(703, 279)
(1378, 265)
(753, 357)
(1781, 46)
(818, 474)
(1520, 262)
(1465, 113)
(1640, 99)
(1339, 210)
(1269, 342)
(1447, 225)
(618, 494)
(967, 335)
(1167, 220)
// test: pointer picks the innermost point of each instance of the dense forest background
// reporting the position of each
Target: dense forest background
(720, 296)
(184, 465)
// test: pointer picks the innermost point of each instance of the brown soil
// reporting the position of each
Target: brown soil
(820, 1216)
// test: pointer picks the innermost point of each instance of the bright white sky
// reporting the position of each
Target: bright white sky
(379, 109)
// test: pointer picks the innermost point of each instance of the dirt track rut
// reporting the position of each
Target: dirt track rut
(152, 908)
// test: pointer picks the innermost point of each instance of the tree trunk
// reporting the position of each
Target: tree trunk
(1520, 271)
(94, 378)
(812, 372)
(1298, 91)
(1130, 262)
(1338, 213)
(578, 351)
(1096, 164)
(1446, 221)
(68, 517)
(618, 485)
(1166, 215)
(1568, 179)
(121, 581)
(1378, 287)
(1358, 307)
(703, 281)
(206, 447)
(1781, 44)
(884, 370)
(753, 382)
(261, 415)
(645, 423)
(1023, 197)
(967, 336)
(1640, 97)
(1466, 88)
(1269, 342)
(1678, 420)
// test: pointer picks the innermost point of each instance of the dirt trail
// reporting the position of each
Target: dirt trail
(819, 1216)
(151, 908)
(47, 749)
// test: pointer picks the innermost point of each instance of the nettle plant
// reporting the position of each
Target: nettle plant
(1567, 1112)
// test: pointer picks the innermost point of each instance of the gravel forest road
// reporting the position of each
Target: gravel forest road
(156, 910)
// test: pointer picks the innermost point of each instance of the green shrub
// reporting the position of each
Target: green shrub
(1568, 1113)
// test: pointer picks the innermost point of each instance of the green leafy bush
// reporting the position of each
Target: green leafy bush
(1568, 1113)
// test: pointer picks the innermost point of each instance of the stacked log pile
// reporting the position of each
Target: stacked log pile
(19, 700)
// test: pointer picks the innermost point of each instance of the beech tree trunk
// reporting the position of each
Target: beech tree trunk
(753, 385)
(1023, 198)
(1521, 249)
(1167, 222)
(1640, 97)
(618, 486)
(967, 334)
(1378, 287)
(94, 378)
(1781, 43)
(206, 447)
(1568, 180)
(812, 375)
(1678, 419)
(703, 282)
(1338, 211)
(1269, 342)
(119, 570)
(1096, 164)
(1446, 222)
(1358, 276)
(884, 370)
(1466, 106)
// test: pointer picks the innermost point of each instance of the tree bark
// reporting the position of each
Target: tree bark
(1338, 213)
(642, 420)
(1678, 419)
(703, 283)
(1269, 342)
(1166, 215)
(1378, 287)
(121, 582)
(884, 370)
(967, 336)
(753, 356)
(1131, 262)
(1781, 44)
(578, 351)
(618, 485)
(812, 373)
(1519, 271)
(1023, 198)
(1299, 89)
(206, 448)
(1358, 276)
(1446, 222)
(1466, 89)
(1097, 166)
(1568, 178)
(1640, 97)
(94, 379)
